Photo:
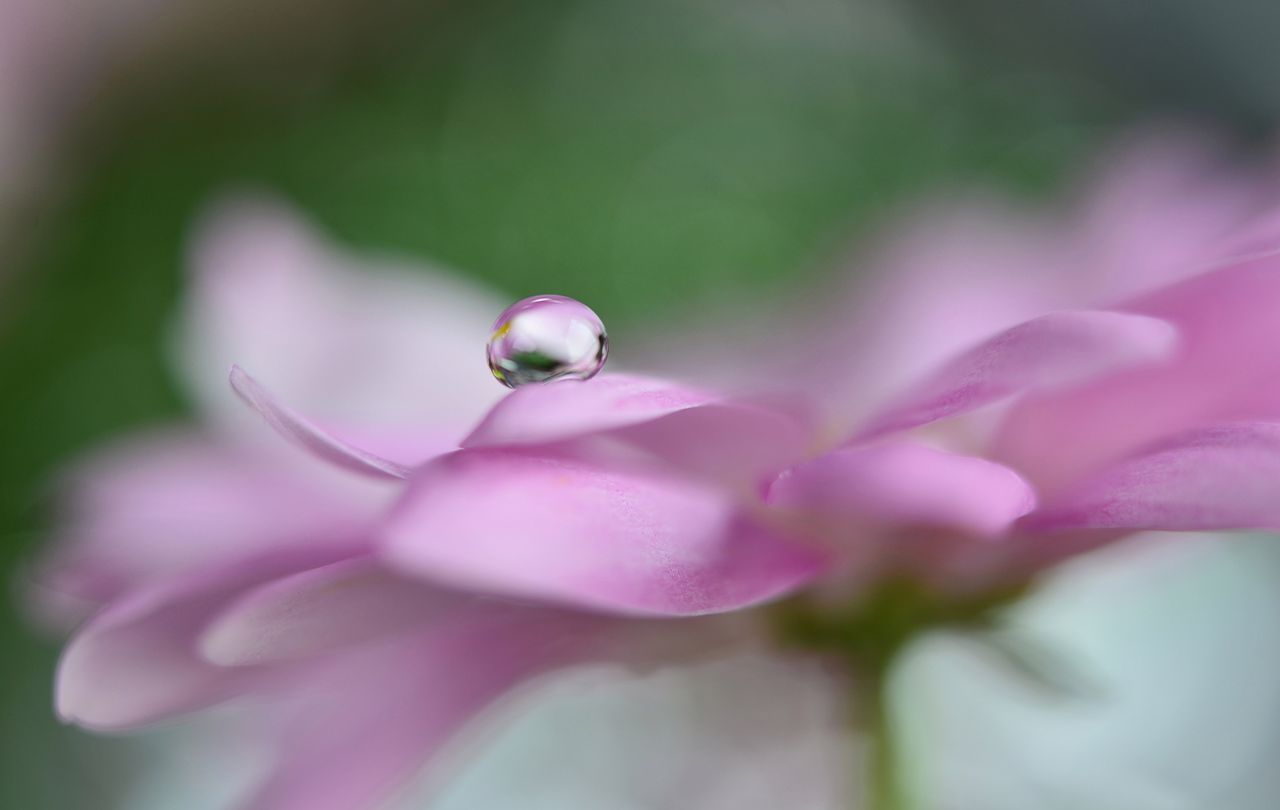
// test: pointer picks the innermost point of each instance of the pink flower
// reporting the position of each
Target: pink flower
(380, 590)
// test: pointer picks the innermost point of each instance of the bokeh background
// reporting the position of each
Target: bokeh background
(653, 159)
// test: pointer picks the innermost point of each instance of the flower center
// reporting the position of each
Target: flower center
(870, 631)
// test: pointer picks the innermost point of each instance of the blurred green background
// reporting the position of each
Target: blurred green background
(645, 157)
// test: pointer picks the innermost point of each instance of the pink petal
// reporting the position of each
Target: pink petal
(904, 486)
(317, 610)
(351, 340)
(306, 434)
(388, 710)
(959, 269)
(1162, 208)
(1226, 370)
(1221, 477)
(136, 663)
(539, 414)
(734, 443)
(1053, 351)
(567, 531)
(689, 429)
(172, 502)
(949, 275)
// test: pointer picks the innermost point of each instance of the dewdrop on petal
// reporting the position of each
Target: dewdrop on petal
(545, 338)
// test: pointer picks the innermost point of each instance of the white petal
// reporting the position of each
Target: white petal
(1174, 636)
(349, 340)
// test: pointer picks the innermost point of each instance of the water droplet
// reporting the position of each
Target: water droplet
(544, 338)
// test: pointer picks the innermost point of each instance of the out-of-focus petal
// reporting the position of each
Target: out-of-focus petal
(136, 662)
(1219, 477)
(570, 532)
(746, 730)
(1224, 371)
(1050, 352)
(307, 434)
(955, 271)
(172, 502)
(904, 485)
(209, 761)
(946, 277)
(1156, 211)
(1170, 637)
(318, 610)
(690, 429)
(389, 709)
(352, 341)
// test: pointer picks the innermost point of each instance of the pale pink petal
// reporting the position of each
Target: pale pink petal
(350, 340)
(569, 532)
(693, 430)
(171, 502)
(389, 710)
(1158, 209)
(136, 662)
(962, 267)
(320, 609)
(539, 414)
(307, 434)
(1050, 352)
(945, 277)
(904, 485)
(1225, 371)
(1221, 477)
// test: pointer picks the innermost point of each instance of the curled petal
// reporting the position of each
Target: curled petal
(318, 610)
(308, 435)
(570, 532)
(1053, 351)
(1225, 476)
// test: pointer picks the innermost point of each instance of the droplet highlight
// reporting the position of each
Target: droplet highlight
(546, 338)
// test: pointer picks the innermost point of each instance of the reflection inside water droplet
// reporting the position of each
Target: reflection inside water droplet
(544, 338)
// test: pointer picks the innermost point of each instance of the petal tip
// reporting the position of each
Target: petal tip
(303, 432)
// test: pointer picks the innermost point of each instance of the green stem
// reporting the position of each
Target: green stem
(884, 789)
